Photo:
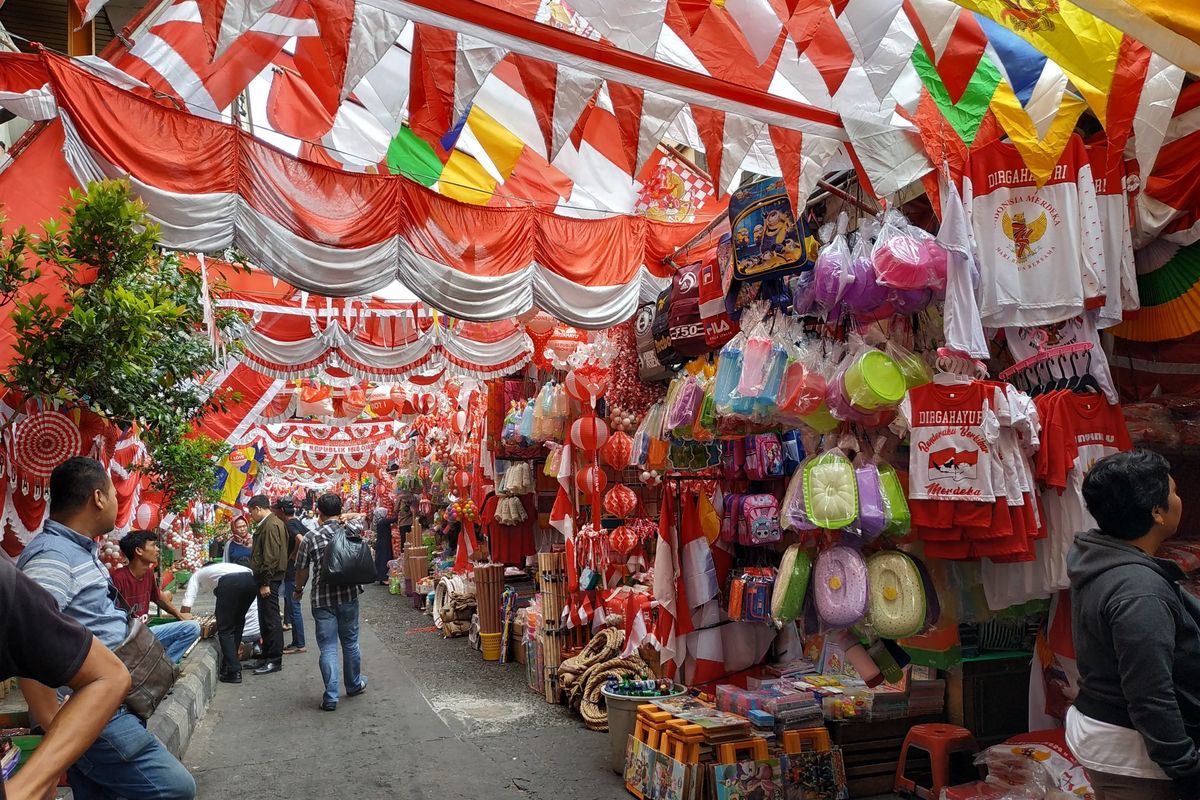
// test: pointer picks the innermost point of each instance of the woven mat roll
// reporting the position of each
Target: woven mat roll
(448, 585)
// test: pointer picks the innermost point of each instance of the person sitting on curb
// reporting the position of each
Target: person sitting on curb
(138, 585)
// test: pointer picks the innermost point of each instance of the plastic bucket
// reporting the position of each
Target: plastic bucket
(490, 643)
(622, 715)
(821, 420)
(874, 381)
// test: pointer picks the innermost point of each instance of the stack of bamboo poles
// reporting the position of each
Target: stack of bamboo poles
(415, 536)
(489, 586)
(552, 585)
(416, 567)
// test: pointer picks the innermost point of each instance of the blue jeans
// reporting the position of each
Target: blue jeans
(297, 613)
(339, 624)
(127, 761)
(177, 637)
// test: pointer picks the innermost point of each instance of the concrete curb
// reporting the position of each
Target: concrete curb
(178, 715)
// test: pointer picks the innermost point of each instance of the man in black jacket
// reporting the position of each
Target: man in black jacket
(269, 562)
(1136, 720)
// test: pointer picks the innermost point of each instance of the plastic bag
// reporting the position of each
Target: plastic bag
(865, 294)
(899, 259)
(804, 293)
(763, 360)
(915, 369)
(870, 379)
(793, 514)
(832, 271)
(729, 366)
(872, 515)
(895, 501)
(686, 406)
(830, 490)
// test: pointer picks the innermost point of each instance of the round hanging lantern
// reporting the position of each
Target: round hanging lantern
(617, 451)
(462, 479)
(539, 323)
(589, 433)
(422, 473)
(381, 405)
(620, 501)
(459, 422)
(591, 480)
(147, 517)
(423, 449)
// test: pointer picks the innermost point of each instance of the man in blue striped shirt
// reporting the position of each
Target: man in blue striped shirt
(126, 760)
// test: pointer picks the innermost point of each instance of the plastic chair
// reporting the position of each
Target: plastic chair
(753, 749)
(940, 741)
(816, 739)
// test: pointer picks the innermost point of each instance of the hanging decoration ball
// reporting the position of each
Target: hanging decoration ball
(462, 479)
(459, 422)
(617, 451)
(620, 501)
(651, 478)
(587, 389)
(423, 449)
(539, 322)
(589, 433)
(591, 480)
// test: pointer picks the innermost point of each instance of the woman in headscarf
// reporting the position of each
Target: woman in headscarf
(237, 549)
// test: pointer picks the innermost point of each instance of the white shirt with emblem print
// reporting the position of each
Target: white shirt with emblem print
(1040, 250)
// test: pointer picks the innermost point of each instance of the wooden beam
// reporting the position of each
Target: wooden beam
(81, 36)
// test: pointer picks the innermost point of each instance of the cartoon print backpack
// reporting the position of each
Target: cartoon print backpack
(684, 325)
(758, 520)
(650, 369)
(764, 457)
(664, 351)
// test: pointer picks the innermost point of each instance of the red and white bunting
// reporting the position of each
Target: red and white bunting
(633, 25)
(473, 63)
(574, 91)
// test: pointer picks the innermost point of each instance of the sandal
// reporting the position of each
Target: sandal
(292, 650)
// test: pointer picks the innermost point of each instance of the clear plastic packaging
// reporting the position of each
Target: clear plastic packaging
(832, 274)
(899, 260)
(830, 490)
(865, 294)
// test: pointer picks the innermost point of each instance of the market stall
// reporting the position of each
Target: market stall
(733, 368)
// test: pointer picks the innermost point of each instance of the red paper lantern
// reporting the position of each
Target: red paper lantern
(459, 422)
(585, 389)
(617, 451)
(620, 501)
(423, 449)
(148, 516)
(589, 433)
(462, 479)
(591, 480)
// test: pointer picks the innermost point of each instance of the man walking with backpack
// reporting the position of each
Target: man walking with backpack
(335, 556)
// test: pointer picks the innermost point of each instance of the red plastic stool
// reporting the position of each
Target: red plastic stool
(940, 741)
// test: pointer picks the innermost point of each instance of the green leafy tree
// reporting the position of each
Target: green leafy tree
(131, 342)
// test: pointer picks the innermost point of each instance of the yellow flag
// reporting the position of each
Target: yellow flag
(1083, 45)
(465, 179)
(502, 145)
(1040, 153)
(1170, 28)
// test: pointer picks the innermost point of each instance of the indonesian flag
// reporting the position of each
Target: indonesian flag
(672, 649)
(562, 515)
(467, 545)
(1169, 203)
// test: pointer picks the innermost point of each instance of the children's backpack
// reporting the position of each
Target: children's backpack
(719, 328)
(733, 458)
(764, 457)
(758, 521)
(664, 351)
(683, 316)
(730, 509)
(650, 369)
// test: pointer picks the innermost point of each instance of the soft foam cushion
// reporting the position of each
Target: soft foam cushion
(840, 586)
(830, 491)
(787, 600)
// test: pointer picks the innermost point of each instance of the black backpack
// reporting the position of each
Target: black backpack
(349, 561)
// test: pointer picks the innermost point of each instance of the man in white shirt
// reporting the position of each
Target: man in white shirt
(237, 610)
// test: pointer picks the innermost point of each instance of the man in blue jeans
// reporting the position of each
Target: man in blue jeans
(126, 760)
(334, 607)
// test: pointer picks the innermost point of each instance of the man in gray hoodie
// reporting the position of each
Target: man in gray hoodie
(1136, 720)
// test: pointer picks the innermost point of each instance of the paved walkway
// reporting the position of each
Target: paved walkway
(436, 722)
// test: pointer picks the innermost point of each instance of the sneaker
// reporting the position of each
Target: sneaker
(362, 687)
(328, 706)
(292, 650)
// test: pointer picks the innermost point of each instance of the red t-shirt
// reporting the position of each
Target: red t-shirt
(137, 592)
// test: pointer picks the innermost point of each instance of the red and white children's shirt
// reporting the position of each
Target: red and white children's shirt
(953, 430)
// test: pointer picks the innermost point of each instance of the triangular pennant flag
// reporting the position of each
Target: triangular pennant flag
(472, 64)
(373, 32)
(574, 90)
(963, 51)
(321, 60)
(758, 22)
(1040, 153)
(805, 19)
(294, 109)
(739, 136)
(693, 12)
(239, 16)
(966, 115)
(829, 52)
(710, 124)
(431, 81)
(581, 124)
(658, 112)
(627, 108)
(632, 25)
(540, 79)
(787, 144)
